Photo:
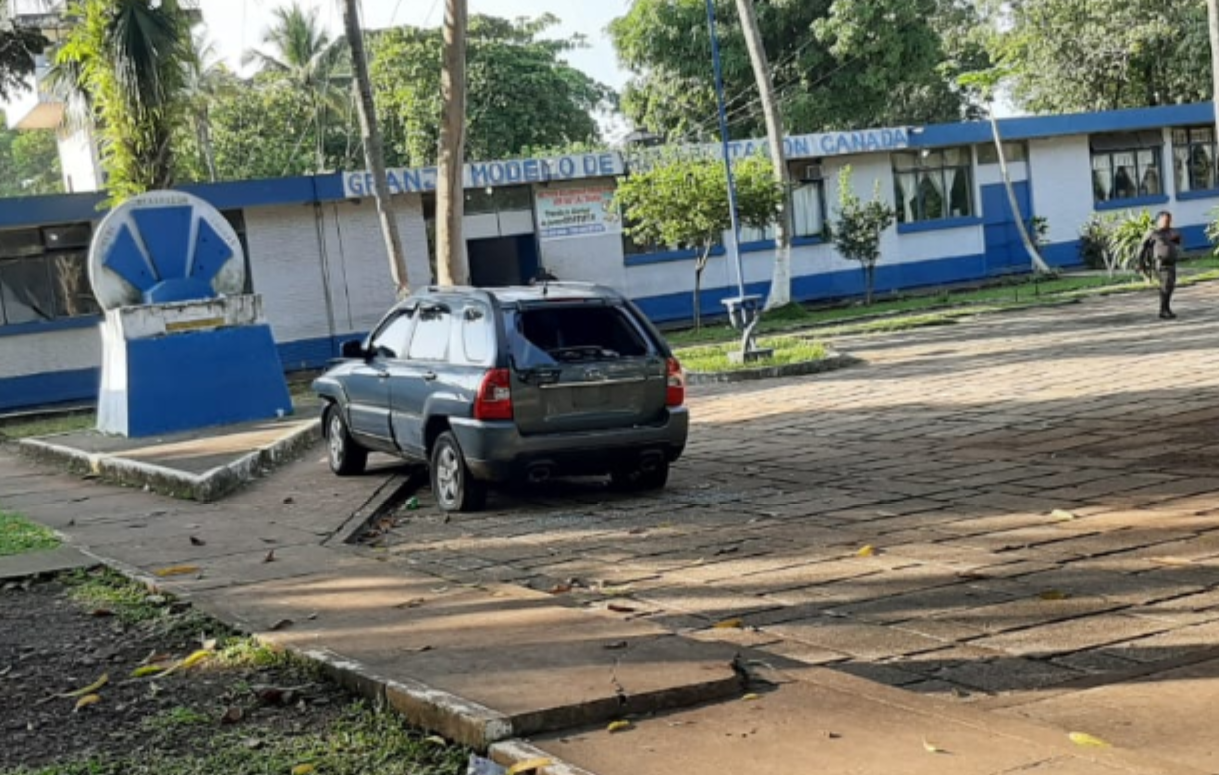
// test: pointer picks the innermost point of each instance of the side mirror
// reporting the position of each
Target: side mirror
(353, 349)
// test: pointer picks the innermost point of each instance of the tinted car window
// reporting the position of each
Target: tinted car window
(390, 341)
(431, 339)
(477, 335)
(568, 334)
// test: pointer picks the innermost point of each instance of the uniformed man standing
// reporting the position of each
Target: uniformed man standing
(1162, 245)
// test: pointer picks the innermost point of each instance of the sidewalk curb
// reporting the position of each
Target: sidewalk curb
(512, 752)
(831, 362)
(206, 487)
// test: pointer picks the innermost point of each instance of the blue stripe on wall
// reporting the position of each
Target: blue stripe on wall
(54, 387)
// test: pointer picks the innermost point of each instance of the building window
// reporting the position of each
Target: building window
(808, 204)
(1193, 158)
(1126, 165)
(44, 274)
(1012, 152)
(933, 184)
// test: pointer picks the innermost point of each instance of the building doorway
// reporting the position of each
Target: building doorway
(500, 261)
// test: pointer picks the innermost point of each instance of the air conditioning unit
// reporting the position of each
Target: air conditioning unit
(812, 173)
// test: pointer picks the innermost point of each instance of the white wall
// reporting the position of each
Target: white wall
(1061, 173)
(64, 350)
(79, 161)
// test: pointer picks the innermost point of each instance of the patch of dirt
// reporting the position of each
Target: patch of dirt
(51, 644)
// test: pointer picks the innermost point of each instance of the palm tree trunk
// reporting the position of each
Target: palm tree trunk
(452, 265)
(203, 132)
(1039, 264)
(781, 277)
(373, 151)
(1212, 13)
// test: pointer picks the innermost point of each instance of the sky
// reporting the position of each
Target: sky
(238, 25)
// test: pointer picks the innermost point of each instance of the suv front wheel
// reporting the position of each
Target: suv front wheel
(346, 457)
(455, 488)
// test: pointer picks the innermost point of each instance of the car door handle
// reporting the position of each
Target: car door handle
(429, 376)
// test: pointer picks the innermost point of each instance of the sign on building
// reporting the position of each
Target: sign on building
(491, 174)
(577, 212)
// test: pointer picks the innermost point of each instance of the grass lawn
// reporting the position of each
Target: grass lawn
(18, 535)
(1015, 293)
(45, 426)
(789, 349)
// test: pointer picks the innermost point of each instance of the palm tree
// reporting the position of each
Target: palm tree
(125, 62)
(302, 52)
(206, 78)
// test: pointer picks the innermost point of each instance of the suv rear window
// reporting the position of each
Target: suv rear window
(568, 334)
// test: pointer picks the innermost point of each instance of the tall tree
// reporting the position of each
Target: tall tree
(126, 60)
(781, 276)
(302, 52)
(1069, 56)
(1212, 23)
(29, 162)
(373, 149)
(683, 203)
(837, 64)
(452, 264)
(520, 91)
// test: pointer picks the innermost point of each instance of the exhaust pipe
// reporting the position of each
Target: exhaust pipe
(650, 461)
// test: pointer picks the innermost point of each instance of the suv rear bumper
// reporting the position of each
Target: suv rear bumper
(497, 452)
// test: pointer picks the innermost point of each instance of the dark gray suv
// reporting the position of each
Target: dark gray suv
(509, 385)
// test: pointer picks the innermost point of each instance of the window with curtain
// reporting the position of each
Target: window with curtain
(933, 184)
(1126, 165)
(808, 203)
(1193, 159)
(44, 274)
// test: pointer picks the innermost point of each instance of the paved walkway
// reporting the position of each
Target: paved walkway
(1016, 514)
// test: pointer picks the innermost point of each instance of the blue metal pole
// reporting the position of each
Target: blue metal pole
(734, 250)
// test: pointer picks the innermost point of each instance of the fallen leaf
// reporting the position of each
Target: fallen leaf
(750, 697)
(618, 726)
(729, 624)
(303, 769)
(147, 670)
(101, 612)
(289, 500)
(415, 603)
(529, 765)
(90, 689)
(281, 624)
(417, 649)
(436, 740)
(86, 701)
(831, 735)
(621, 609)
(176, 570)
(1053, 594)
(1087, 741)
(270, 557)
(617, 645)
(727, 550)
(190, 661)
(195, 541)
(1175, 561)
(932, 747)
(637, 531)
(232, 715)
(560, 589)
(252, 743)
(1062, 515)
(866, 550)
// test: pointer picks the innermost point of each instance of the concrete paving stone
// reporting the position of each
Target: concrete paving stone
(929, 605)
(982, 522)
(1089, 632)
(1021, 538)
(885, 584)
(780, 580)
(1007, 674)
(1167, 646)
(949, 632)
(947, 554)
(1094, 662)
(743, 637)
(804, 653)
(47, 561)
(1168, 715)
(1124, 588)
(1025, 612)
(707, 602)
(885, 674)
(860, 640)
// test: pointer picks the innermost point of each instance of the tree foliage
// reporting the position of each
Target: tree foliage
(18, 47)
(857, 229)
(1067, 56)
(837, 64)
(683, 203)
(520, 91)
(29, 162)
(126, 61)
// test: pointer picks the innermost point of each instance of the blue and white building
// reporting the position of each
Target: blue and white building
(316, 256)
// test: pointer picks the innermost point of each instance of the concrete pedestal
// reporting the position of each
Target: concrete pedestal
(186, 365)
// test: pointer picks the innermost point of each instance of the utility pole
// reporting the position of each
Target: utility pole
(1212, 11)
(781, 278)
(452, 266)
(374, 151)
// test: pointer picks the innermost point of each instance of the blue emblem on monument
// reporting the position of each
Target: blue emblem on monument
(184, 346)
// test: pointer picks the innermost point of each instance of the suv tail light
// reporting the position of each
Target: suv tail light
(494, 400)
(675, 393)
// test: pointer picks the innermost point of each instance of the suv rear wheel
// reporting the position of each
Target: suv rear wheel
(346, 457)
(455, 488)
(636, 479)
